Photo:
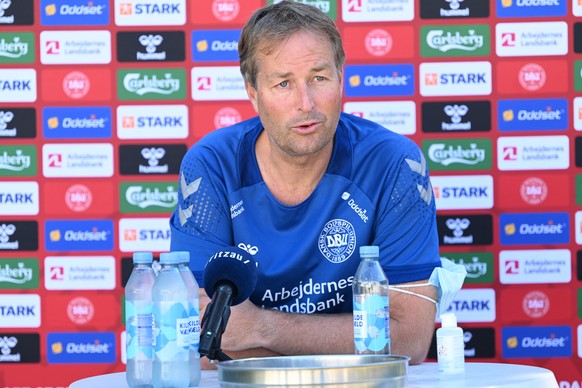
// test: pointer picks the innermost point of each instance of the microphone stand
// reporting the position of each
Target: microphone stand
(214, 323)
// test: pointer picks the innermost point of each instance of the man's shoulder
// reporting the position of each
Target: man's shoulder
(368, 137)
(226, 141)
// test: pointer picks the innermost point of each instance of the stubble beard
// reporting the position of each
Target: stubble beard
(298, 146)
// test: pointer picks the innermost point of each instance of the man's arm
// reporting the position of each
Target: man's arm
(412, 321)
(205, 363)
(251, 329)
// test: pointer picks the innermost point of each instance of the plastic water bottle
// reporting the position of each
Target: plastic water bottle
(139, 322)
(170, 297)
(194, 316)
(371, 305)
(450, 346)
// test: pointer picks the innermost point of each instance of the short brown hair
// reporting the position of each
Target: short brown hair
(271, 25)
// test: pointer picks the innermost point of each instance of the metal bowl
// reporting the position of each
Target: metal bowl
(342, 370)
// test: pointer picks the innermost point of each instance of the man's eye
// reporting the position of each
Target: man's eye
(284, 84)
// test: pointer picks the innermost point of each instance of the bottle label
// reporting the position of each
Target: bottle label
(360, 324)
(145, 329)
(139, 330)
(183, 332)
(172, 327)
(194, 324)
(451, 354)
(371, 323)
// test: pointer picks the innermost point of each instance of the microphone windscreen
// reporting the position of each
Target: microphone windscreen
(232, 266)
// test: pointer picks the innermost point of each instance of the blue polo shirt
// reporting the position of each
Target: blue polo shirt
(376, 191)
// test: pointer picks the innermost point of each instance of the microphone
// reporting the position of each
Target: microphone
(230, 276)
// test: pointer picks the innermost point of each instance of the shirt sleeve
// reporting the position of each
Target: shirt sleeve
(201, 221)
(406, 232)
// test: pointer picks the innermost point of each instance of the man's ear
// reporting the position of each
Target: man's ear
(252, 93)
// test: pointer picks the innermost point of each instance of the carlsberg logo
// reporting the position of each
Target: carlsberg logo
(471, 40)
(444, 155)
(150, 84)
(460, 154)
(140, 197)
(14, 48)
(18, 273)
(18, 160)
(17, 47)
(144, 197)
(141, 84)
(445, 41)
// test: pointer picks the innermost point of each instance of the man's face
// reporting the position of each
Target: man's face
(298, 94)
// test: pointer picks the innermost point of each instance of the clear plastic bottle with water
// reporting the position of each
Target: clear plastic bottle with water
(139, 320)
(170, 296)
(371, 305)
(194, 315)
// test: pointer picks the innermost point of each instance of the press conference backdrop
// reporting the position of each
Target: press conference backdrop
(99, 101)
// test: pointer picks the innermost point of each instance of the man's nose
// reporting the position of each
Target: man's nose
(305, 98)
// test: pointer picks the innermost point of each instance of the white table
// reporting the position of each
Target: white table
(117, 380)
(477, 374)
(481, 374)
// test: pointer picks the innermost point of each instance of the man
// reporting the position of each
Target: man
(301, 187)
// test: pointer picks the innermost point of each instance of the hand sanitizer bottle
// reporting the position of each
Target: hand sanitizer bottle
(450, 346)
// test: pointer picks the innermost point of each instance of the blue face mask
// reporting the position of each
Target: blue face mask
(448, 279)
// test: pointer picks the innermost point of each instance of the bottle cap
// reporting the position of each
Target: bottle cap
(369, 251)
(183, 257)
(448, 320)
(169, 258)
(142, 257)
